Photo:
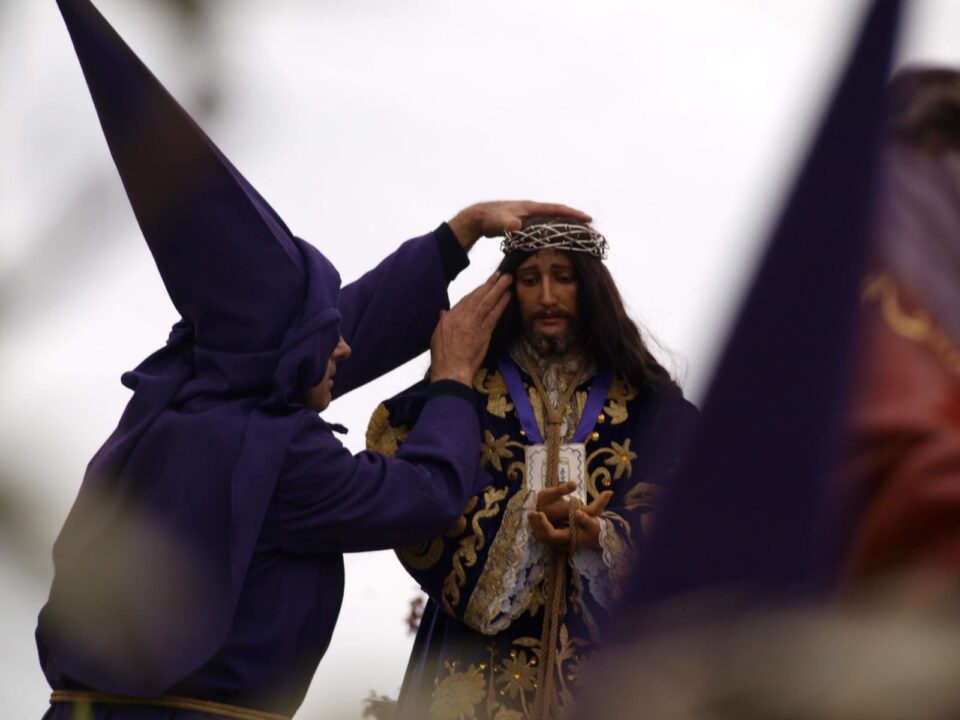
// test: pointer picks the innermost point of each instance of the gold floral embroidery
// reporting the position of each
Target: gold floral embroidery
(567, 664)
(504, 560)
(517, 674)
(495, 389)
(620, 393)
(382, 437)
(466, 554)
(621, 459)
(457, 695)
(504, 689)
(493, 450)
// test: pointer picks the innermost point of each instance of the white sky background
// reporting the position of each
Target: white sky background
(676, 123)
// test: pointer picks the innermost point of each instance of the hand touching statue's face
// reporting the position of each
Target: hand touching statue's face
(320, 395)
(546, 286)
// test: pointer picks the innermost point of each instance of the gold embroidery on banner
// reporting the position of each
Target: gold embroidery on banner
(495, 389)
(916, 325)
(382, 437)
(504, 558)
(466, 555)
(494, 450)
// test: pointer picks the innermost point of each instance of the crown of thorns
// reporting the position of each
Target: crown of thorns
(575, 238)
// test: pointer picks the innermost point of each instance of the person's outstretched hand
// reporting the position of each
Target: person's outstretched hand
(492, 219)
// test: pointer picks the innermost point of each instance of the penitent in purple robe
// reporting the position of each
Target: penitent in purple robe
(324, 502)
(202, 557)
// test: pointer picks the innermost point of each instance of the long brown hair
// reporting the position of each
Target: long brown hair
(609, 336)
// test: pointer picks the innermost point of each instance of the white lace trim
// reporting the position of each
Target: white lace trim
(594, 567)
(516, 564)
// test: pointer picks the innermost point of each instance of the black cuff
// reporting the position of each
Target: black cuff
(451, 387)
(452, 255)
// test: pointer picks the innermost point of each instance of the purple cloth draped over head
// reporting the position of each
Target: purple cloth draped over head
(153, 554)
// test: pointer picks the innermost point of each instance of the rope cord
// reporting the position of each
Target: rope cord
(556, 579)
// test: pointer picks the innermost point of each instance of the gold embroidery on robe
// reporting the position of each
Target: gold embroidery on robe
(504, 688)
(504, 560)
(382, 437)
(620, 393)
(458, 694)
(494, 450)
(493, 386)
(466, 555)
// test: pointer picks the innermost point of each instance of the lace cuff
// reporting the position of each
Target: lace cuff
(515, 565)
(589, 563)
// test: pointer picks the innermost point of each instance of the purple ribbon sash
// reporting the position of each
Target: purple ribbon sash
(528, 420)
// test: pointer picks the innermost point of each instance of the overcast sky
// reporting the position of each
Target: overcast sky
(676, 123)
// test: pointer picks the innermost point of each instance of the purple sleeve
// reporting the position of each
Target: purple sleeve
(331, 501)
(389, 314)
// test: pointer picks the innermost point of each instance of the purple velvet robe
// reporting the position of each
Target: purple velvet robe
(272, 558)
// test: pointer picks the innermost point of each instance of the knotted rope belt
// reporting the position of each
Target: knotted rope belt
(556, 571)
(165, 701)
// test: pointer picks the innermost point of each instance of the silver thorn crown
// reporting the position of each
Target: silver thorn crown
(575, 238)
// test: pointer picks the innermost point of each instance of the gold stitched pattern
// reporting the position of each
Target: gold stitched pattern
(466, 555)
(620, 393)
(916, 325)
(504, 560)
(495, 389)
(494, 450)
(503, 688)
(382, 437)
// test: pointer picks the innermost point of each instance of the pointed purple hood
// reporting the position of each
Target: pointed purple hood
(748, 512)
(151, 559)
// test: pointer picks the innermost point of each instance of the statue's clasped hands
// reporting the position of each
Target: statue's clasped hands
(550, 522)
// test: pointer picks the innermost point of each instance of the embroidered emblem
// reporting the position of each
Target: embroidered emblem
(494, 450)
(495, 389)
(621, 459)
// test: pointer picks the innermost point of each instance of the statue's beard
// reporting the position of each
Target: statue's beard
(553, 345)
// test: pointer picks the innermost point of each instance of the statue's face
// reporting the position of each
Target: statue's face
(320, 395)
(546, 285)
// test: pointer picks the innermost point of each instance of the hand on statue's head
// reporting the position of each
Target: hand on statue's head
(492, 219)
